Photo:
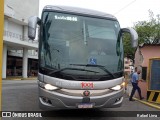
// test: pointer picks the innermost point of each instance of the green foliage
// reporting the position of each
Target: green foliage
(128, 50)
(148, 32)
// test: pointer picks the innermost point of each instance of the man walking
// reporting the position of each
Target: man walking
(135, 80)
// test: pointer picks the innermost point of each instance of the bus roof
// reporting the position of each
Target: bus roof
(80, 11)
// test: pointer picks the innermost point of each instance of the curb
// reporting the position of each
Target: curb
(147, 103)
(34, 78)
(142, 101)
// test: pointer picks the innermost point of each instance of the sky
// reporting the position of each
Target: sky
(128, 12)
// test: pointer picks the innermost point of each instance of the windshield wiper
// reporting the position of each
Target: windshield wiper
(99, 66)
(79, 69)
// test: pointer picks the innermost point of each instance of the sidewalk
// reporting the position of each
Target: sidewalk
(144, 101)
(19, 78)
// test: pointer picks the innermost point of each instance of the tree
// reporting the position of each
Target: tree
(148, 32)
(128, 50)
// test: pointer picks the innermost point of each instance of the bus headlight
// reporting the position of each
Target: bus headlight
(47, 86)
(118, 87)
(50, 87)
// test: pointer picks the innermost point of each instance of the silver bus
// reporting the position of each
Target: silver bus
(81, 58)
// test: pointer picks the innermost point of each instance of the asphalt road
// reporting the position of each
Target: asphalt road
(23, 96)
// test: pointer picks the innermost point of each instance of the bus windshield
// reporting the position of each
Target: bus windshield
(78, 45)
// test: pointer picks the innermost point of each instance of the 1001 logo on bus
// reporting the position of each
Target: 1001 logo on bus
(87, 85)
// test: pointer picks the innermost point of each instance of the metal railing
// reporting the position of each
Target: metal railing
(18, 36)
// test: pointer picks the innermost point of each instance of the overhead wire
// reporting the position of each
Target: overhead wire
(124, 7)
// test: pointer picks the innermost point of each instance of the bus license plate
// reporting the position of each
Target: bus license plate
(85, 105)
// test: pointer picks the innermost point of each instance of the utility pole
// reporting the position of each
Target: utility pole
(1, 46)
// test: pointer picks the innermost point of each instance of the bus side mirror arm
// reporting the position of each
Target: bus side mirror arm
(32, 25)
(134, 36)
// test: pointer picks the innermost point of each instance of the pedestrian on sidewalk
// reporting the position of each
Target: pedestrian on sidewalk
(134, 81)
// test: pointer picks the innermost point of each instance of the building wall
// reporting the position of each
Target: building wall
(13, 27)
(16, 17)
(23, 8)
(16, 21)
(149, 52)
(128, 68)
(142, 56)
(138, 58)
(128, 65)
(16, 14)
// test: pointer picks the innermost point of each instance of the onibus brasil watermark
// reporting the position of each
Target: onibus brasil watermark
(22, 114)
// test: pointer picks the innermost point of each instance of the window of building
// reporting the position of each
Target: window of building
(144, 73)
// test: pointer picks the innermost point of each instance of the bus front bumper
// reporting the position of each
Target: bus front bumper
(50, 100)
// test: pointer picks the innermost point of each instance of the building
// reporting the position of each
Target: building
(142, 56)
(20, 56)
(128, 67)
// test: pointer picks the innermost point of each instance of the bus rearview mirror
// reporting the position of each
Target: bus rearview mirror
(134, 36)
(32, 24)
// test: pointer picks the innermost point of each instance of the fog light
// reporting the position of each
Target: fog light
(118, 99)
(46, 100)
